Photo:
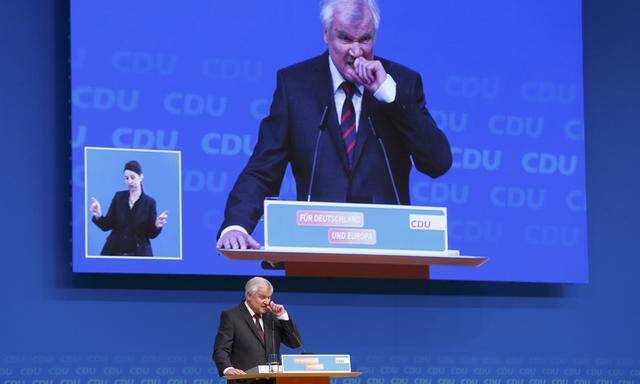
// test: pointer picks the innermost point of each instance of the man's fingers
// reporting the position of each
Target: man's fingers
(237, 240)
(252, 243)
(352, 74)
(371, 72)
(366, 71)
(361, 72)
(235, 371)
(242, 242)
(164, 214)
(360, 63)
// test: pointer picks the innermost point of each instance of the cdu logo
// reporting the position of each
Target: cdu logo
(144, 62)
(427, 222)
(259, 108)
(144, 138)
(516, 197)
(196, 181)
(191, 104)
(227, 144)
(543, 92)
(472, 158)
(551, 235)
(574, 130)
(549, 164)
(112, 371)
(78, 136)
(472, 87)
(440, 193)
(476, 231)
(577, 201)
(230, 69)
(450, 120)
(85, 97)
(507, 125)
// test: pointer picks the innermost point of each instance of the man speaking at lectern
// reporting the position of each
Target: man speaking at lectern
(251, 331)
(343, 100)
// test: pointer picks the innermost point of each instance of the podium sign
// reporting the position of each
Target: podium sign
(355, 228)
(316, 363)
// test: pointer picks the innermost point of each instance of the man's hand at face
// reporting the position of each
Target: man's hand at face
(369, 73)
(237, 240)
(277, 309)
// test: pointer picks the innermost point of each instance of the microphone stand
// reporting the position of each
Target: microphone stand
(386, 159)
(321, 127)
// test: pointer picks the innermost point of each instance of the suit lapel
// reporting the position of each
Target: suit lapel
(250, 322)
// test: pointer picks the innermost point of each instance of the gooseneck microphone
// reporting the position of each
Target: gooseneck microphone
(292, 330)
(295, 334)
(386, 158)
(321, 128)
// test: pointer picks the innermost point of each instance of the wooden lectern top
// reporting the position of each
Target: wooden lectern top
(363, 258)
(295, 378)
(330, 375)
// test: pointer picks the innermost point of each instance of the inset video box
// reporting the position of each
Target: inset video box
(316, 363)
(355, 228)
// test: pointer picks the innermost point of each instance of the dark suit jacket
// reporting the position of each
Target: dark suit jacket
(238, 344)
(130, 229)
(288, 135)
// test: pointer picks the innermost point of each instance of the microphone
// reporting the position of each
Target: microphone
(293, 332)
(304, 352)
(386, 158)
(321, 128)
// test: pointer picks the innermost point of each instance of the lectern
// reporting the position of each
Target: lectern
(319, 239)
(294, 378)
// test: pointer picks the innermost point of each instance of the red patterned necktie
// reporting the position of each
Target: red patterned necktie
(348, 121)
(259, 327)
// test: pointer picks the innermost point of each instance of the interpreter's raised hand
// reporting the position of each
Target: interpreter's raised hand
(235, 371)
(235, 239)
(369, 73)
(277, 309)
(161, 220)
(95, 208)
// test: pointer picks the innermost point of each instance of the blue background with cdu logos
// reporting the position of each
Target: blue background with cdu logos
(58, 327)
(503, 79)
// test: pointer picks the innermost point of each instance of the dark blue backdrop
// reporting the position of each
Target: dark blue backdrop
(56, 326)
(503, 79)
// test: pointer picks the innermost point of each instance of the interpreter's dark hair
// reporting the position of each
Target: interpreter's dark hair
(133, 166)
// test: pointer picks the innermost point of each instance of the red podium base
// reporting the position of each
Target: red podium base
(357, 270)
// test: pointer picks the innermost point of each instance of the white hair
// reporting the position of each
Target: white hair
(256, 283)
(354, 8)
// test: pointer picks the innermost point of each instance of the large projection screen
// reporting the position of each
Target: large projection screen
(182, 86)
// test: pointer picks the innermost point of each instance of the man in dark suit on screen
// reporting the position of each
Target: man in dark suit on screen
(251, 331)
(351, 96)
